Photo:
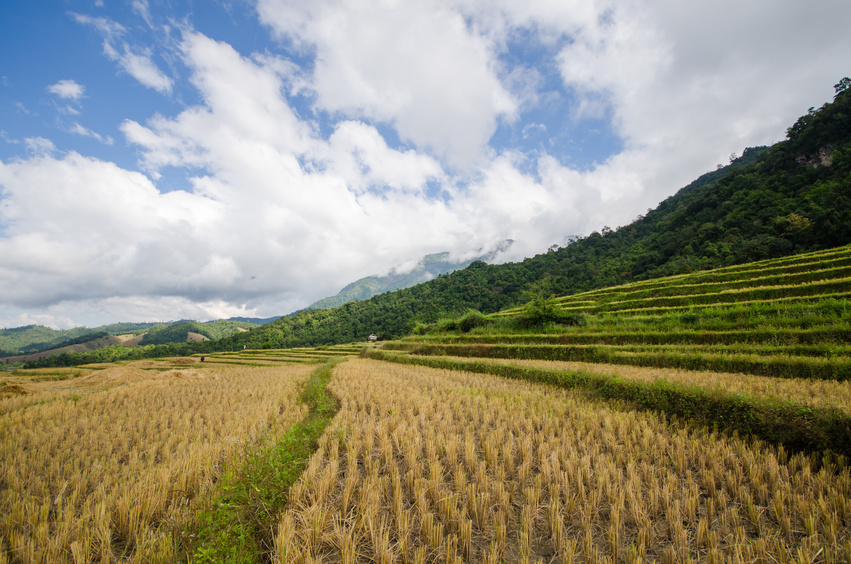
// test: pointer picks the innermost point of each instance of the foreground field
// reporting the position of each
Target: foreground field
(110, 464)
(425, 465)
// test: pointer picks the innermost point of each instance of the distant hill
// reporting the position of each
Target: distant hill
(87, 343)
(193, 331)
(255, 320)
(36, 338)
(428, 268)
(36, 341)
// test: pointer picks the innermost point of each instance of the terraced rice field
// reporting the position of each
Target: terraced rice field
(781, 318)
(273, 357)
(763, 348)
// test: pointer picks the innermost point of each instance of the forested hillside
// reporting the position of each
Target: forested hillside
(36, 338)
(429, 267)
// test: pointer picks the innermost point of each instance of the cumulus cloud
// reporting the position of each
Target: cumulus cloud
(68, 89)
(105, 232)
(414, 65)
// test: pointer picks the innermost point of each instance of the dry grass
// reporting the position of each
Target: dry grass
(425, 465)
(812, 392)
(110, 465)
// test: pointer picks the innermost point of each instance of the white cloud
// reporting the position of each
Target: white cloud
(68, 89)
(23, 319)
(103, 231)
(415, 65)
(689, 83)
(361, 156)
(5, 137)
(39, 146)
(142, 8)
(23, 109)
(141, 67)
(86, 132)
(137, 62)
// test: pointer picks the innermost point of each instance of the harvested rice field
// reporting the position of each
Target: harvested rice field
(430, 465)
(110, 465)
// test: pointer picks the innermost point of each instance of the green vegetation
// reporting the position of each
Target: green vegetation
(428, 267)
(252, 495)
(34, 338)
(785, 318)
(179, 332)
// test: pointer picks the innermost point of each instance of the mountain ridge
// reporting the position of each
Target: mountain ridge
(427, 268)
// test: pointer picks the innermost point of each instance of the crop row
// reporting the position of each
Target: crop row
(821, 338)
(797, 392)
(799, 427)
(781, 366)
(829, 260)
(669, 289)
(749, 294)
(824, 351)
(814, 274)
(685, 307)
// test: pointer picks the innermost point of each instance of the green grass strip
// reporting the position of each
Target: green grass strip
(776, 366)
(238, 528)
(795, 427)
(821, 336)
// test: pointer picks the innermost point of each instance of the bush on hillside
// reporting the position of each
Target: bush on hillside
(543, 310)
(471, 320)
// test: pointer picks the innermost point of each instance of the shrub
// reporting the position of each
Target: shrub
(542, 310)
(471, 320)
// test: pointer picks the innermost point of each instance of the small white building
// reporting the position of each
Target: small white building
(373, 337)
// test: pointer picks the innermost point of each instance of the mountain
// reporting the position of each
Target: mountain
(37, 338)
(183, 331)
(428, 268)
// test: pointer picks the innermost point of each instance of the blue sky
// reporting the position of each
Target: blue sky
(165, 159)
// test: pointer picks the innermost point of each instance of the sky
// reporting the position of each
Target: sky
(171, 159)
